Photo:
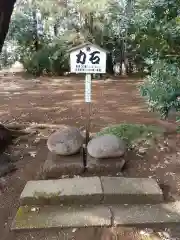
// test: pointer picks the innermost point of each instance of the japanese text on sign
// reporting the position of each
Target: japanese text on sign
(88, 60)
(93, 58)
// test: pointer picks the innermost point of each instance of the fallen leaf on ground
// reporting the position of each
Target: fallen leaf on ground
(35, 209)
(32, 154)
(142, 150)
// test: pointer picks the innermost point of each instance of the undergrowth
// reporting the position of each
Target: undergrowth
(132, 132)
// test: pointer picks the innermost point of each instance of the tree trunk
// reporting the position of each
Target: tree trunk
(35, 32)
(6, 9)
(128, 14)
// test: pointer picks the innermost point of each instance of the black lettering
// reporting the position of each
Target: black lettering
(94, 59)
(81, 57)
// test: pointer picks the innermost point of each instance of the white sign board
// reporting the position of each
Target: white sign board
(88, 88)
(88, 59)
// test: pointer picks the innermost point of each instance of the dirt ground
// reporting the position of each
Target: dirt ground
(61, 101)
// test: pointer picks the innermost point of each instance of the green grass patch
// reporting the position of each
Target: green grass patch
(132, 132)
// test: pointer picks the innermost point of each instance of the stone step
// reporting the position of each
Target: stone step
(50, 217)
(121, 190)
(91, 190)
(63, 191)
(61, 217)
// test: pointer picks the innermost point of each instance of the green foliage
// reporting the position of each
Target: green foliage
(131, 132)
(140, 30)
(162, 86)
(50, 59)
(8, 55)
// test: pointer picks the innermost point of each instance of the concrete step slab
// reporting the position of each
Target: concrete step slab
(64, 191)
(155, 216)
(49, 217)
(91, 190)
(120, 190)
(141, 216)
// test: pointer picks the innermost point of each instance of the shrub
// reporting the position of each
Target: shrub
(9, 54)
(162, 87)
(50, 59)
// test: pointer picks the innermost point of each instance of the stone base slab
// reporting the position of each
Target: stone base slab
(109, 166)
(56, 166)
(142, 216)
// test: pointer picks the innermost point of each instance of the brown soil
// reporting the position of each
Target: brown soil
(61, 101)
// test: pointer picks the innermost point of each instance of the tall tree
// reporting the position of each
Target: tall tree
(6, 9)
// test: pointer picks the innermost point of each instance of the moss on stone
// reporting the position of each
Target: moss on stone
(24, 217)
(46, 195)
(22, 210)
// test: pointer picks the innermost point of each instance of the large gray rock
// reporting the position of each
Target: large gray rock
(66, 141)
(106, 146)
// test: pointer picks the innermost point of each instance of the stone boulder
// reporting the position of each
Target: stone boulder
(106, 146)
(66, 141)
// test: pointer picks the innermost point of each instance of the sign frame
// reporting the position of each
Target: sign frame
(88, 58)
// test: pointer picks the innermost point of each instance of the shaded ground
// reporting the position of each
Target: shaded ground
(61, 101)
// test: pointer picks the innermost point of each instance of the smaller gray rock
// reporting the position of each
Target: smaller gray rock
(106, 146)
(66, 141)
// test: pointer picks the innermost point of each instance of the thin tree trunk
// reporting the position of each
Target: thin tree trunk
(128, 13)
(6, 9)
(55, 29)
(35, 32)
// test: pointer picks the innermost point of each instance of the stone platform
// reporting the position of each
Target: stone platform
(109, 166)
(57, 166)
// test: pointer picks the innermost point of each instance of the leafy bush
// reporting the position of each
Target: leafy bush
(162, 87)
(9, 54)
(131, 132)
(50, 59)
